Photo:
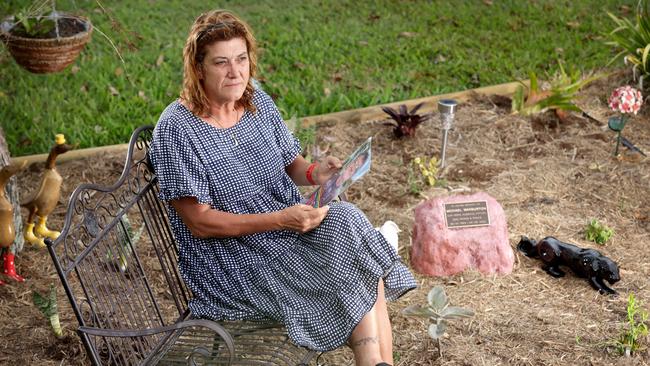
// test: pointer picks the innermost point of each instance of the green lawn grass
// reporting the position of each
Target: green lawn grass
(316, 57)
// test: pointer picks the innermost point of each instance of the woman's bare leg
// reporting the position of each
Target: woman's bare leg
(364, 340)
(383, 322)
(372, 339)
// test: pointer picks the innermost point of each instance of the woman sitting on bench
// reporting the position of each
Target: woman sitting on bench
(229, 169)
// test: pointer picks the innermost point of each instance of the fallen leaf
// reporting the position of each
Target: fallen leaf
(641, 216)
(363, 43)
(573, 25)
(98, 129)
(83, 88)
(373, 17)
(119, 71)
(407, 34)
(487, 2)
(595, 166)
(439, 59)
(142, 95)
(327, 91)
(113, 91)
(74, 69)
(337, 76)
(160, 60)
(299, 65)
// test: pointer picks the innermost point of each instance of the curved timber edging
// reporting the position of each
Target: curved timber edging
(430, 105)
(353, 116)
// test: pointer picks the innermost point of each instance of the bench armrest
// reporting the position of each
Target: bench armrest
(127, 333)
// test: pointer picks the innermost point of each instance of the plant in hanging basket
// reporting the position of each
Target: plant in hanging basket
(45, 44)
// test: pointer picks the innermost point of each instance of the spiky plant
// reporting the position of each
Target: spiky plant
(560, 97)
(404, 121)
(128, 242)
(633, 40)
(47, 305)
(635, 333)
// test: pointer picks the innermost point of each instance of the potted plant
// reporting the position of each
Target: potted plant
(45, 43)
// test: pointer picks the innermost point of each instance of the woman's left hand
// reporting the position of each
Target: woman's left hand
(326, 168)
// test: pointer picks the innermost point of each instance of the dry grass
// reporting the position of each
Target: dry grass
(550, 180)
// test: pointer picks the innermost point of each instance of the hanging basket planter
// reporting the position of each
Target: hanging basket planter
(51, 52)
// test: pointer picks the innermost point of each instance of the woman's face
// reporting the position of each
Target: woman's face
(225, 70)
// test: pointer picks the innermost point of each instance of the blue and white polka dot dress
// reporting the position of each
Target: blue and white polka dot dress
(319, 284)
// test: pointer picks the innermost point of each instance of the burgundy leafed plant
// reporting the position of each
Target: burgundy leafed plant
(405, 122)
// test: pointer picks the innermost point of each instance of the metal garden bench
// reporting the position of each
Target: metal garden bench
(117, 259)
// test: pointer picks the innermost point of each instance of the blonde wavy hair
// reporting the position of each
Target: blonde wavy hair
(210, 27)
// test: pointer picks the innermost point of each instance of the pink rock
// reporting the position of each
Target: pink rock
(441, 251)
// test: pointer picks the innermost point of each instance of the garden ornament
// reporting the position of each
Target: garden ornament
(447, 108)
(584, 262)
(624, 99)
(7, 228)
(389, 230)
(45, 198)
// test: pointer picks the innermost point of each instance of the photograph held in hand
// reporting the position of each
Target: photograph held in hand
(353, 168)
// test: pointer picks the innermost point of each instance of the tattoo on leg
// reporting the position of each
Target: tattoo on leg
(365, 341)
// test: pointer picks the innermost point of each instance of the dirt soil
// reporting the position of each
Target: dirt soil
(68, 27)
(551, 178)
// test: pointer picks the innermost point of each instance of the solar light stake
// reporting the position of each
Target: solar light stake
(447, 108)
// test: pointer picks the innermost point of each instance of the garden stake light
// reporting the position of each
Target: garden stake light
(447, 108)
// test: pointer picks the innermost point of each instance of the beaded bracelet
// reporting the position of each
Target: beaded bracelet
(310, 170)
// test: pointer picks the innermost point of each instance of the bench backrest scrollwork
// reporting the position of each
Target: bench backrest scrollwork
(117, 260)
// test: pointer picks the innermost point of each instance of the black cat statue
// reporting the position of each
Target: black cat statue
(586, 263)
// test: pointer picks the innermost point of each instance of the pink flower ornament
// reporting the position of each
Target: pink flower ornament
(626, 99)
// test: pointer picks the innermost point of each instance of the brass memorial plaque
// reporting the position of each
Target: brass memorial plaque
(466, 214)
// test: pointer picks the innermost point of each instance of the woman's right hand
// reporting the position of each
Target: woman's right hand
(302, 218)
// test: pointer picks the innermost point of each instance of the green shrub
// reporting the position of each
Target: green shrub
(597, 232)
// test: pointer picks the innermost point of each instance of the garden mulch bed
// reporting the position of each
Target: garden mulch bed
(551, 179)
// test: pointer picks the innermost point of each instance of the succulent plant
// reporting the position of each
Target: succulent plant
(47, 305)
(439, 312)
(405, 121)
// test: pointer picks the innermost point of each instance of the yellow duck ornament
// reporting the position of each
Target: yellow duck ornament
(7, 227)
(45, 198)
